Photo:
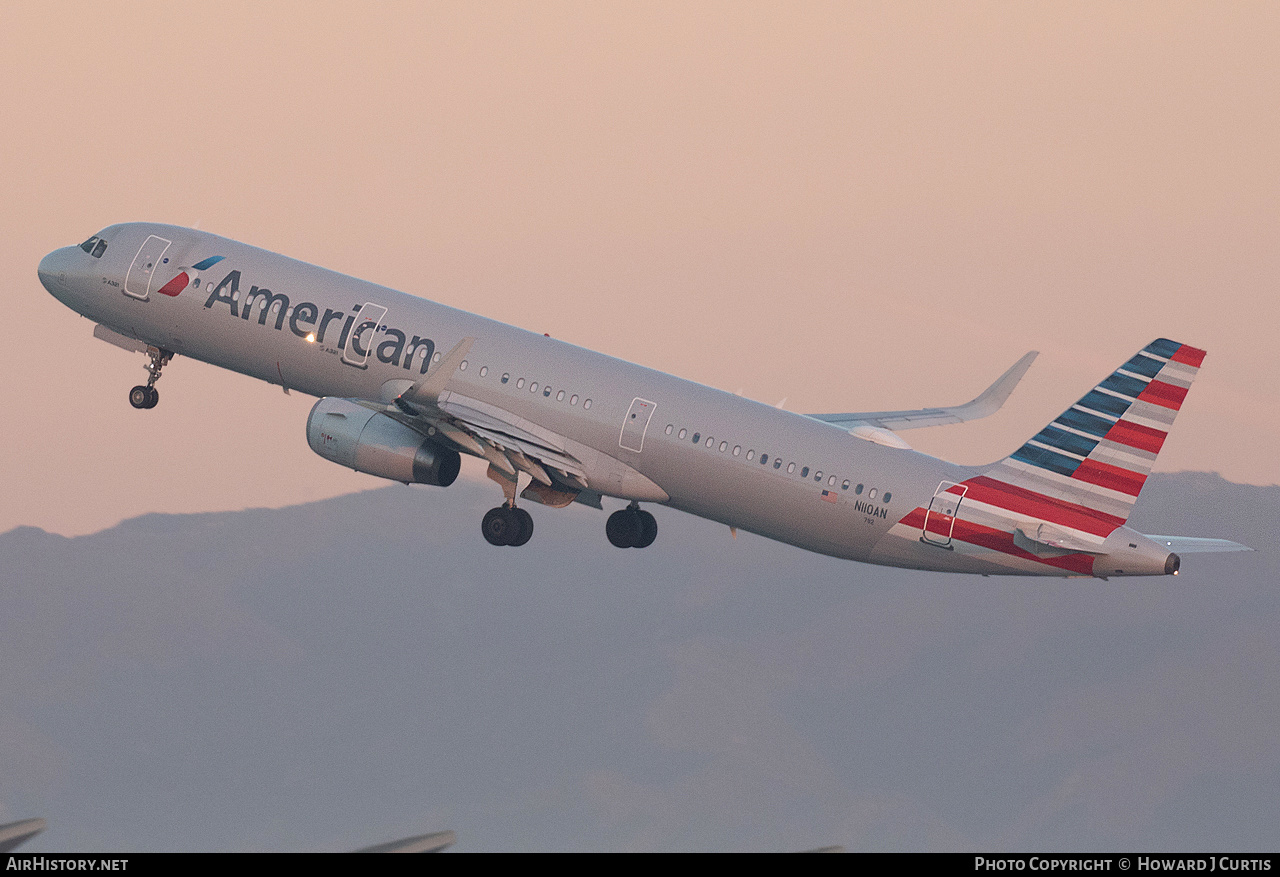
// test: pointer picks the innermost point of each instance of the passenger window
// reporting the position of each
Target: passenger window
(484, 370)
(573, 400)
(871, 494)
(697, 437)
(586, 404)
(670, 426)
(777, 463)
(519, 383)
(764, 458)
(724, 446)
(791, 467)
(462, 366)
(533, 388)
(99, 249)
(817, 476)
(435, 358)
(887, 494)
(560, 396)
(710, 441)
(845, 485)
(683, 433)
(858, 489)
(737, 449)
(804, 473)
(506, 376)
(751, 455)
(831, 482)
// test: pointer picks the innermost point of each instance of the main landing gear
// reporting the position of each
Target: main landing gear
(631, 527)
(507, 525)
(147, 396)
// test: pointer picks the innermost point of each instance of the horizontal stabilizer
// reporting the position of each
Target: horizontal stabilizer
(984, 406)
(1198, 545)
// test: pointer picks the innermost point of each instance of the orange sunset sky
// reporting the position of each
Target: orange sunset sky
(849, 205)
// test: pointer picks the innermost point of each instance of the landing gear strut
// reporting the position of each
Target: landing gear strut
(147, 396)
(631, 527)
(507, 525)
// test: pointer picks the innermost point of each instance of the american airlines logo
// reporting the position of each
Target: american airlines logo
(182, 279)
(305, 320)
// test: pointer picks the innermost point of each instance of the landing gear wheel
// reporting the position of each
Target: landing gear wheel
(140, 397)
(153, 397)
(497, 526)
(631, 527)
(526, 527)
(507, 526)
(624, 528)
(649, 531)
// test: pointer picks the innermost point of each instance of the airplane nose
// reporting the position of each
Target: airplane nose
(52, 270)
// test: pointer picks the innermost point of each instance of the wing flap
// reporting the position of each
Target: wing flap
(482, 430)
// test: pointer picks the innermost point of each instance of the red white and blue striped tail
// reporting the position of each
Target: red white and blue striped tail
(1097, 455)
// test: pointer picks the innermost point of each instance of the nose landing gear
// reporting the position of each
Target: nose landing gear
(144, 397)
(631, 527)
(147, 396)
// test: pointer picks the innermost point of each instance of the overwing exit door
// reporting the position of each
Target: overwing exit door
(636, 424)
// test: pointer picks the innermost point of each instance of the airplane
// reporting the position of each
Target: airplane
(435, 842)
(14, 834)
(407, 385)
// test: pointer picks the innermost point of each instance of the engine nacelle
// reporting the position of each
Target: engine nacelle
(373, 443)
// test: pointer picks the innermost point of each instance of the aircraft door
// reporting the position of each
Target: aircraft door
(137, 282)
(636, 424)
(940, 519)
(364, 331)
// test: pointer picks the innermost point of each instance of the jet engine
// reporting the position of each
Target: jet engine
(373, 443)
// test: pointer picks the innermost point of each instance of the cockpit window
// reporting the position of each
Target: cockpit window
(95, 246)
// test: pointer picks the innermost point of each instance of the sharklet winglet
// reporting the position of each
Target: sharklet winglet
(427, 391)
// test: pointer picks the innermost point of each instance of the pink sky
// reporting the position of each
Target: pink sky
(853, 206)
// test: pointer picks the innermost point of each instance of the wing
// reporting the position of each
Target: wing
(985, 405)
(510, 443)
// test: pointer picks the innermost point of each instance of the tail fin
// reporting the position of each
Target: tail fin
(1099, 452)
